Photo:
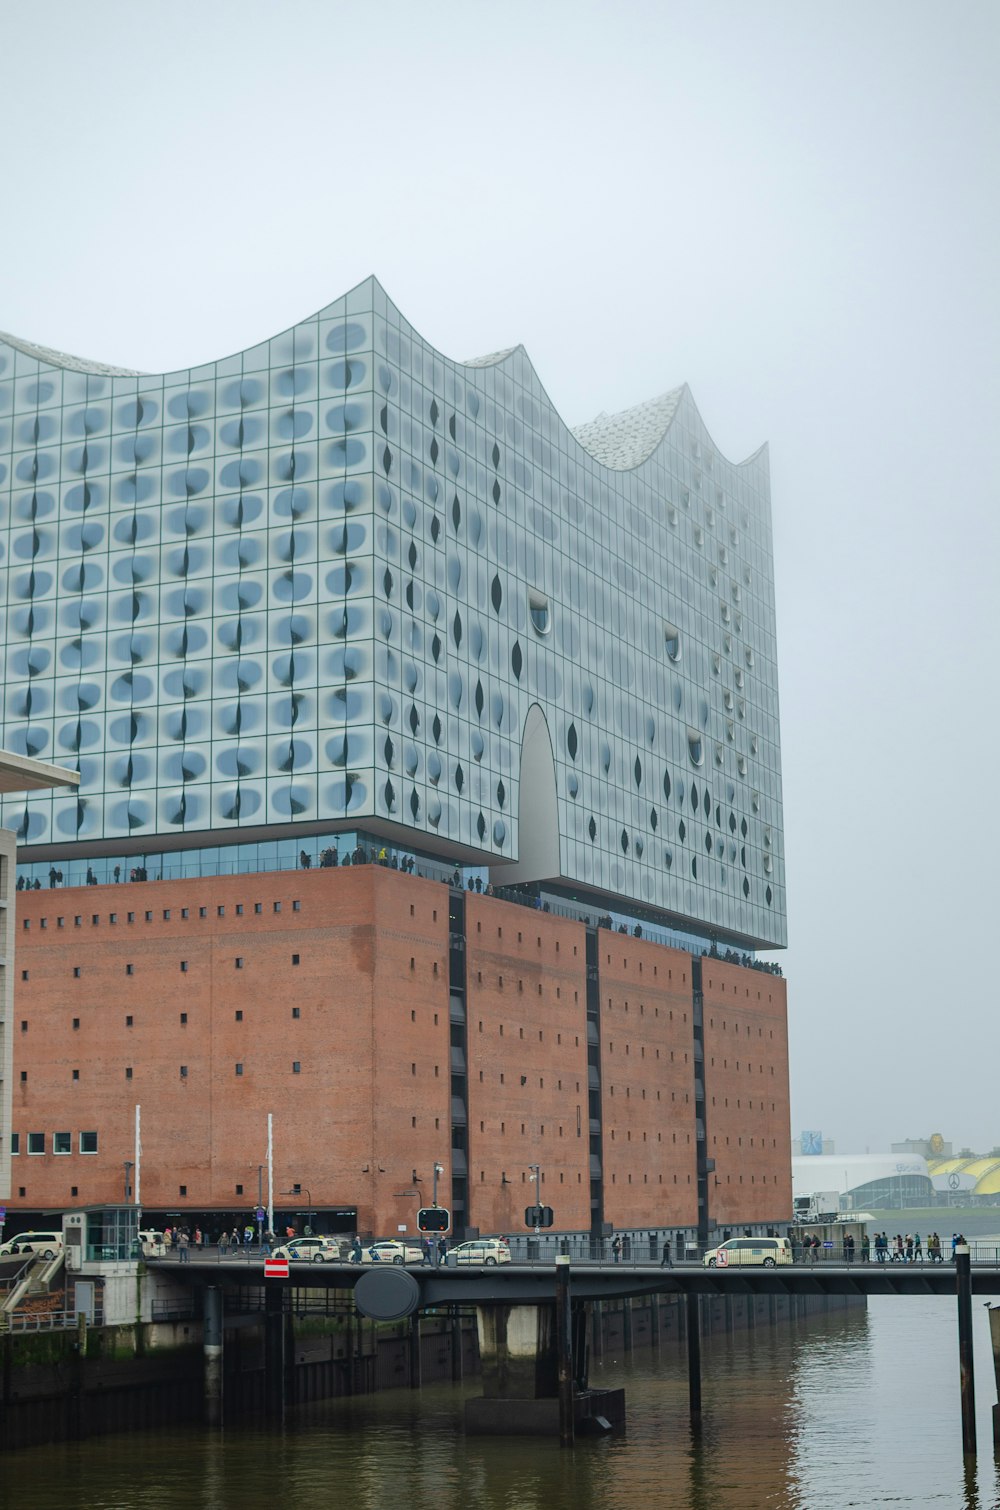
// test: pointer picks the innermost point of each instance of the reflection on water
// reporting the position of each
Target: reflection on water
(852, 1409)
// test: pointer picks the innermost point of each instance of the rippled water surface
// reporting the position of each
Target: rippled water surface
(852, 1409)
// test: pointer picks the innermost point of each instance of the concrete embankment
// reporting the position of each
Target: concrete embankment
(67, 1384)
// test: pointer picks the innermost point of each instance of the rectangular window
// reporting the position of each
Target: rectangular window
(95, 919)
(277, 906)
(239, 1190)
(203, 912)
(76, 1074)
(24, 1025)
(128, 1072)
(184, 965)
(239, 1069)
(258, 906)
(184, 912)
(128, 1020)
(129, 969)
(296, 906)
(295, 959)
(220, 912)
(76, 972)
(239, 962)
(239, 909)
(112, 917)
(76, 1023)
(15, 1143)
(88, 1142)
(77, 920)
(24, 975)
(239, 1016)
(130, 917)
(184, 1071)
(149, 917)
(182, 1190)
(184, 1018)
(296, 1012)
(60, 922)
(296, 1067)
(36, 1142)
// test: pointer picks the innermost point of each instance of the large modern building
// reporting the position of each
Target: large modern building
(337, 597)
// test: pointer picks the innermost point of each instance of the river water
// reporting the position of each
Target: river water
(849, 1409)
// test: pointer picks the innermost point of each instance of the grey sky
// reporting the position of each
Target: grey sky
(792, 207)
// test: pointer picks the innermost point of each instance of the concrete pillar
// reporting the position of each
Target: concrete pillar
(457, 1361)
(416, 1369)
(212, 1343)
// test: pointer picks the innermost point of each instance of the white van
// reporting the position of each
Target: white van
(48, 1244)
(767, 1251)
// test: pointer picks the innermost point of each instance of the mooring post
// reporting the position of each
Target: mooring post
(274, 1351)
(212, 1344)
(963, 1275)
(564, 1350)
(694, 1357)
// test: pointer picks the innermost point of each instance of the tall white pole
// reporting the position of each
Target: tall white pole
(138, 1154)
(270, 1172)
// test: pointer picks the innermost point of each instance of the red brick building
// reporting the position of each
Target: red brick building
(387, 1022)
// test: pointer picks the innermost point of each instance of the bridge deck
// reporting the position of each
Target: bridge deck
(530, 1284)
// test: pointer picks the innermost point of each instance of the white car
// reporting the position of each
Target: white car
(482, 1250)
(392, 1252)
(316, 1250)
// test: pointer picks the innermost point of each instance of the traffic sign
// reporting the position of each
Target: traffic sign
(433, 1219)
(259, 1214)
(538, 1216)
(276, 1268)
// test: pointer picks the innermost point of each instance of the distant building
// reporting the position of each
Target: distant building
(865, 1182)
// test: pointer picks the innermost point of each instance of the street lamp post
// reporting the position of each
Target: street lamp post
(303, 1190)
(536, 1177)
(438, 1169)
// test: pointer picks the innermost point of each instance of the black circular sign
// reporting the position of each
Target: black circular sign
(387, 1294)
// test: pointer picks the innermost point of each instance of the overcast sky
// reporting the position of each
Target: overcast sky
(791, 206)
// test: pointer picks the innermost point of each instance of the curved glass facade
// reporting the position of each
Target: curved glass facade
(321, 583)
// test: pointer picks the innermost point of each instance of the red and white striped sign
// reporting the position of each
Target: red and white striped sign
(276, 1268)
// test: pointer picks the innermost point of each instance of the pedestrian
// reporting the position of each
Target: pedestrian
(91, 878)
(918, 1249)
(813, 1242)
(848, 1248)
(117, 874)
(616, 1249)
(443, 1249)
(182, 1246)
(197, 1237)
(425, 1249)
(52, 877)
(223, 1243)
(304, 859)
(866, 1249)
(234, 1239)
(665, 1258)
(248, 1236)
(268, 1241)
(356, 1251)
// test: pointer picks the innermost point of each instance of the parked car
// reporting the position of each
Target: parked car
(317, 1250)
(48, 1244)
(767, 1251)
(392, 1251)
(482, 1250)
(152, 1243)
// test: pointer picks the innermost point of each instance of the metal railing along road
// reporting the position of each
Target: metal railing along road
(42, 1321)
